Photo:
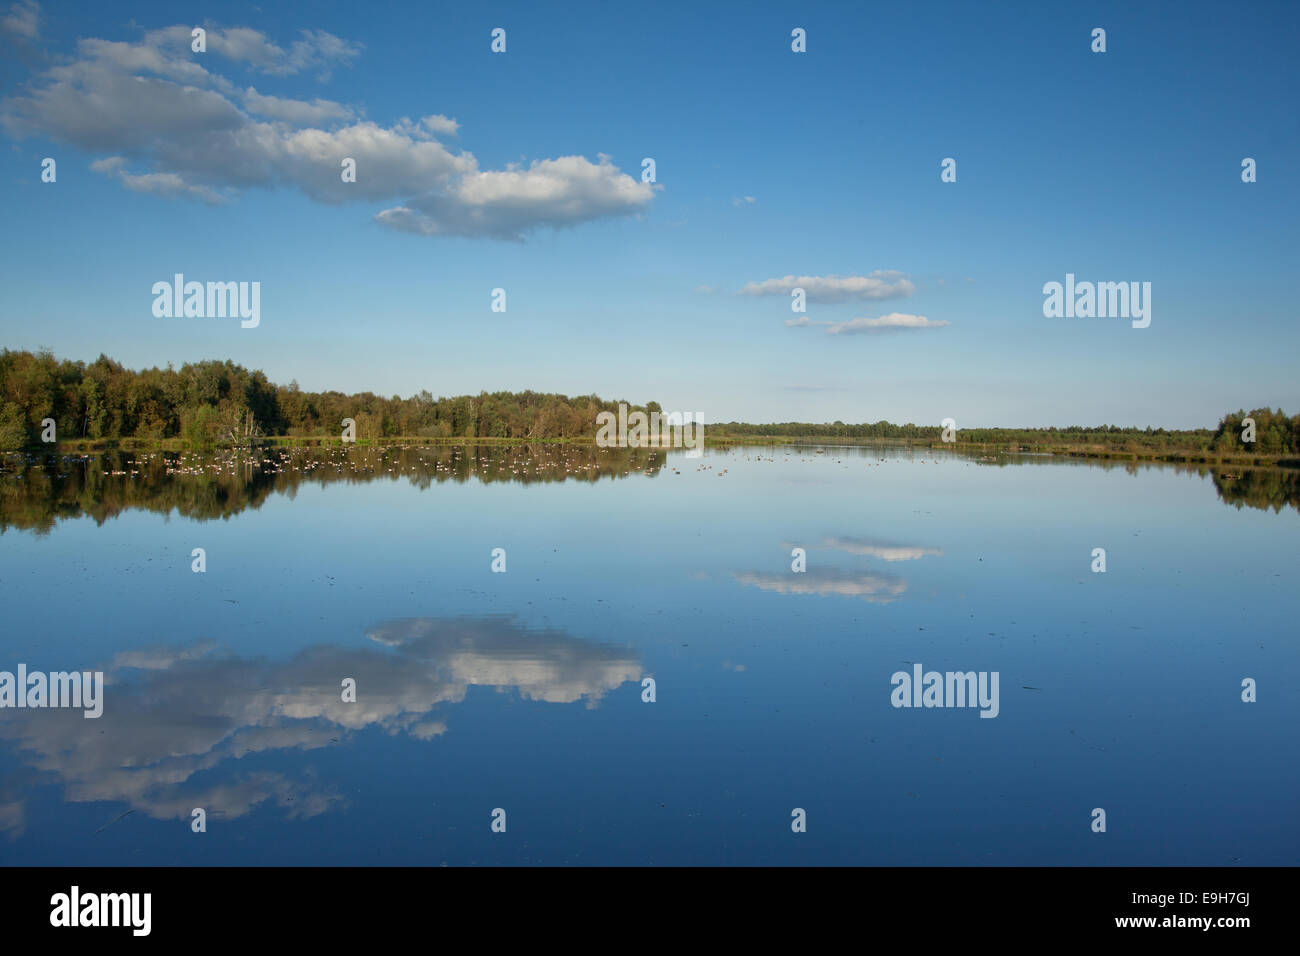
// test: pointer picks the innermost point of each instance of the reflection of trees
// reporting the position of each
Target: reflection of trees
(1237, 485)
(35, 493)
(1260, 488)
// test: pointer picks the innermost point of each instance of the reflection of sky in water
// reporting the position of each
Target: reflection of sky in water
(522, 689)
(186, 710)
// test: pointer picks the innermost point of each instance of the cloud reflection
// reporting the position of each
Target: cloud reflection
(874, 548)
(879, 588)
(173, 715)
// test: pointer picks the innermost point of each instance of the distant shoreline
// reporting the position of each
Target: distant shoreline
(77, 407)
(712, 438)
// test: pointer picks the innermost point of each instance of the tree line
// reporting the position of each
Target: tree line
(210, 403)
(1275, 434)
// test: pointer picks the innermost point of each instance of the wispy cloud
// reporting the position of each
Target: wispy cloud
(893, 322)
(168, 185)
(295, 112)
(23, 19)
(315, 50)
(881, 284)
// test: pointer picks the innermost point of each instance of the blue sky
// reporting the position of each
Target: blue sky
(1115, 166)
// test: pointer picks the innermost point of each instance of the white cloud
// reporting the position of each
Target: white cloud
(881, 284)
(168, 185)
(505, 205)
(23, 19)
(316, 49)
(893, 322)
(109, 164)
(295, 112)
(440, 124)
(743, 201)
(172, 128)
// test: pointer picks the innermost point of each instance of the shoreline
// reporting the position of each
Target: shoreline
(1174, 455)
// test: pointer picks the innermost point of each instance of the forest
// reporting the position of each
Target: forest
(210, 404)
(214, 403)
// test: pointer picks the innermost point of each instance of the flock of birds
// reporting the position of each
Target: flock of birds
(418, 461)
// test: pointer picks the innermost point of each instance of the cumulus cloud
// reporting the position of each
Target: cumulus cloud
(23, 20)
(316, 49)
(881, 284)
(171, 127)
(743, 201)
(295, 112)
(893, 322)
(509, 203)
(439, 125)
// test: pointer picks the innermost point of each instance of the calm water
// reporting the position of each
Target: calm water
(523, 690)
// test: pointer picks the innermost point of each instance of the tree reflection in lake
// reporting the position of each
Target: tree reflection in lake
(37, 492)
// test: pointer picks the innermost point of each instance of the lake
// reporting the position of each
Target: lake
(488, 699)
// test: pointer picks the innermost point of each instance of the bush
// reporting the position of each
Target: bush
(13, 427)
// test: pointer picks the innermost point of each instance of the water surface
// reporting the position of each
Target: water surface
(523, 690)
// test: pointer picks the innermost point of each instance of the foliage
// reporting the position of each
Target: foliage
(212, 403)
